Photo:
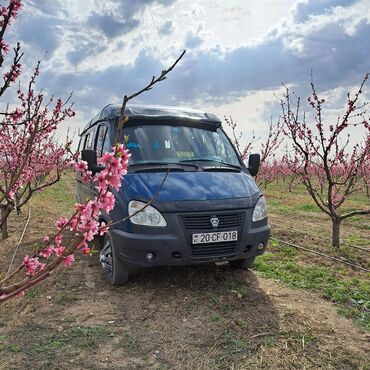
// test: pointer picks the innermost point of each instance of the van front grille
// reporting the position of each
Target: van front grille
(213, 250)
(203, 222)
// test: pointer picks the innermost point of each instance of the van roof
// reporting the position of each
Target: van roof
(112, 111)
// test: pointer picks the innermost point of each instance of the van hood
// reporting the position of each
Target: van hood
(189, 186)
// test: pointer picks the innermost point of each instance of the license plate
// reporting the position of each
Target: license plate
(216, 237)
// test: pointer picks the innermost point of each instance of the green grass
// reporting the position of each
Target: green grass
(59, 195)
(308, 208)
(280, 200)
(352, 295)
(81, 337)
(215, 317)
(236, 286)
(231, 343)
(269, 342)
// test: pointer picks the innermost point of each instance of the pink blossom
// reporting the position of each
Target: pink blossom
(61, 222)
(68, 260)
(46, 253)
(58, 239)
(86, 250)
(105, 158)
(81, 166)
(107, 200)
(4, 46)
(32, 265)
(59, 251)
(16, 115)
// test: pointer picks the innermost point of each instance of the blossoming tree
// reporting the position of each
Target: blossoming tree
(269, 163)
(330, 164)
(30, 157)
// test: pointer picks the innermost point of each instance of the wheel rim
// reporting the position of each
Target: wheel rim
(106, 258)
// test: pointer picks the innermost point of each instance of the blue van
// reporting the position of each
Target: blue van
(206, 206)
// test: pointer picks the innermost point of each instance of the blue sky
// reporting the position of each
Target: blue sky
(238, 52)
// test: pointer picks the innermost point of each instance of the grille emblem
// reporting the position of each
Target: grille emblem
(215, 221)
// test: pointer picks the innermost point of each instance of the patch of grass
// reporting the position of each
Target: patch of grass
(15, 348)
(351, 295)
(277, 205)
(82, 337)
(231, 343)
(33, 293)
(2, 344)
(356, 219)
(307, 207)
(217, 303)
(240, 322)
(235, 285)
(269, 342)
(215, 317)
(356, 240)
(214, 299)
(65, 298)
(11, 347)
(57, 195)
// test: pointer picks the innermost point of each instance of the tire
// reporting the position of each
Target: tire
(116, 271)
(243, 264)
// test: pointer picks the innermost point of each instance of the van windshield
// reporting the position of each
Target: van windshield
(178, 144)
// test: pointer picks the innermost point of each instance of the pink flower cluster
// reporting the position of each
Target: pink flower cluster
(11, 11)
(85, 221)
(32, 265)
(13, 74)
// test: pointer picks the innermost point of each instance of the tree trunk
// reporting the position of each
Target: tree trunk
(336, 233)
(4, 221)
(16, 203)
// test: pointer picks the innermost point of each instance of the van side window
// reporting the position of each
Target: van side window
(103, 144)
(89, 142)
(87, 137)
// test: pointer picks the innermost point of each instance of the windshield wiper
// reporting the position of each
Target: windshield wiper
(163, 164)
(211, 160)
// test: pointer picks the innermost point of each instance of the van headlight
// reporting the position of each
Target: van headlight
(148, 217)
(260, 210)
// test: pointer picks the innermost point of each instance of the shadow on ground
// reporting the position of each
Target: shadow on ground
(165, 318)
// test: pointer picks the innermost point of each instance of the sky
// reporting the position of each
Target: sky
(238, 53)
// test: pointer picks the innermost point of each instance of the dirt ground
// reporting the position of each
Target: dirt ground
(176, 318)
(206, 317)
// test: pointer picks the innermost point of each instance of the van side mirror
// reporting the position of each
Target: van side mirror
(89, 156)
(254, 164)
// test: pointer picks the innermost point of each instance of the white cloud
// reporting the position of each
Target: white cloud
(240, 52)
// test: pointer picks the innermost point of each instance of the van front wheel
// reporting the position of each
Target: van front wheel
(117, 272)
(243, 264)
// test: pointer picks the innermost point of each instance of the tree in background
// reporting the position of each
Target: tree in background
(269, 170)
(30, 157)
(330, 168)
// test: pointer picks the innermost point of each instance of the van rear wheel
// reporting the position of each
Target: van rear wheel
(117, 272)
(242, 264)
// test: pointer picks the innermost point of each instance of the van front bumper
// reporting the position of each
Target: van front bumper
(175, 248)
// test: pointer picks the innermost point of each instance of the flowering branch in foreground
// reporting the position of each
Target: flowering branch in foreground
(74, 233)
